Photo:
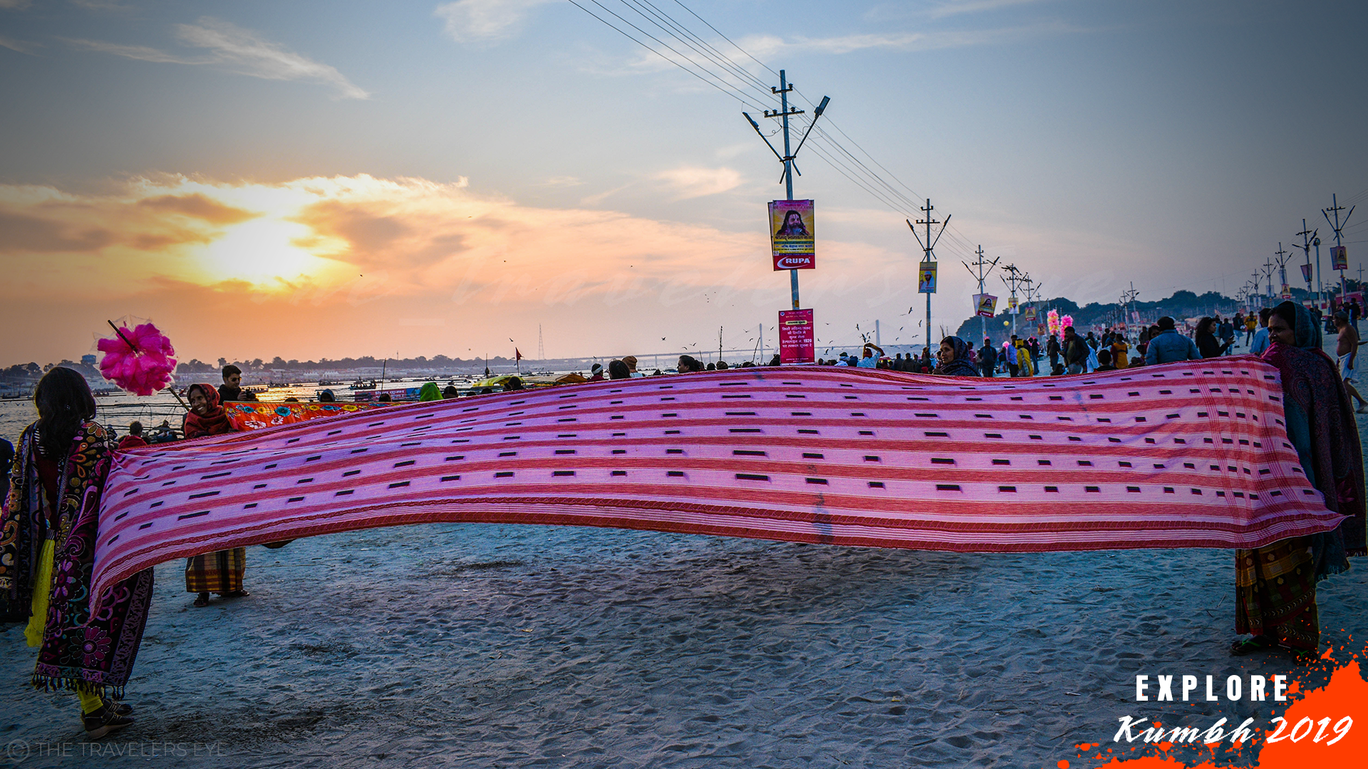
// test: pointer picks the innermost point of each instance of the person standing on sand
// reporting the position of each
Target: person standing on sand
(867, 358)
(47, 556)
(987, 358)
(219, 572)
(1207, 343)
(429, 392)
(134, 439)
(1075, 351)
(1120, 351)
(1169, 346)
(232, 386)
(1260, 341)
(1275, 586)
(1347, 350)
(1024, 367)
(953, 358)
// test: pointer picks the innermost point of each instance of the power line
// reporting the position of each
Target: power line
(724, 88)
(656, 17)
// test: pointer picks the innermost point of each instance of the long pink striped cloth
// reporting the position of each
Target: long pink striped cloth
(1184, 455)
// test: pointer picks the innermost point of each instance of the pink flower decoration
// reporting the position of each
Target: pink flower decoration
(137, 359)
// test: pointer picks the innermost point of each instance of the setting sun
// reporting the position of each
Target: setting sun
(261, 252)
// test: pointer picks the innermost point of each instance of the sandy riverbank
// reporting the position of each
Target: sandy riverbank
(531, 646)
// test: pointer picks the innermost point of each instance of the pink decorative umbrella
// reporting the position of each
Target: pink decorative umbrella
(138, 359)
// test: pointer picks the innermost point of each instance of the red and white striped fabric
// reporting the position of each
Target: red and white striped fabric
(1184, 455)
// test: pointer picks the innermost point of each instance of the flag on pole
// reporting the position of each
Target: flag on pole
(517, 356)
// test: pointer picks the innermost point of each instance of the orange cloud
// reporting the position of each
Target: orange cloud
(199, 206)
(342, 266)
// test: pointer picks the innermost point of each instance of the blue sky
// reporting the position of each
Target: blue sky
(423, 178)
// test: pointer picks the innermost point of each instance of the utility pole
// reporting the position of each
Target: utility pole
(1338, 226)
(1033, 296)
(981, 274)
(785, 111)
(1012, 279)
(1128, 299)
(928, 246)
(1307, 235)
(1282, 269)
(1268, 274)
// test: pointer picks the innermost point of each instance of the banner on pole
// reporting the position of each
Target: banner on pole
(796, 337)
(985, 305)
(1286, 291)
(1306, 272)
(792, 241)
(926, 277)
(1030, 313)
(1339, 258)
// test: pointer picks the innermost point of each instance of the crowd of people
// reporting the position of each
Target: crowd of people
(53, 481)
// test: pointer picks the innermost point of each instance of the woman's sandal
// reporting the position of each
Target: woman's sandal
(236, 594)
(201, 601)
(1250, 645)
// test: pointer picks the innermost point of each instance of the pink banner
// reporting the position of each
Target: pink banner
(797, 341)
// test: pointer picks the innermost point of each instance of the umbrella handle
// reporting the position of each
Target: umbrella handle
(127, 341)
(172, 390)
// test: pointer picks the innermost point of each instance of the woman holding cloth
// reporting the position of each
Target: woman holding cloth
(1275, 586)
(47, 555)
(219, 572)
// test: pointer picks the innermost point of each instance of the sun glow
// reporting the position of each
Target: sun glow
(263, 252)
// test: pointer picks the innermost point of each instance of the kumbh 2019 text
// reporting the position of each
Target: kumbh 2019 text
(1133, 729)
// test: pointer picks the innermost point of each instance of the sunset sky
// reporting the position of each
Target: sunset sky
(312, 179)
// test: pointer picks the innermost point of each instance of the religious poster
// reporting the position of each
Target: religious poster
(796, 337)
(792, 241)
(1286, 291)
(926, 277)
(1029, 313)
(985, 305)
(1339, 258)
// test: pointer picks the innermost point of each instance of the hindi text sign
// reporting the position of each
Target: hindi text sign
(796, 337)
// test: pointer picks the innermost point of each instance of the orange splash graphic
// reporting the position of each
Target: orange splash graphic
(1323, 727)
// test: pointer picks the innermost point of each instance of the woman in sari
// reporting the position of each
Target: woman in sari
(219, 572)
(953, 358)
(47, 554)
(1275, 586)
